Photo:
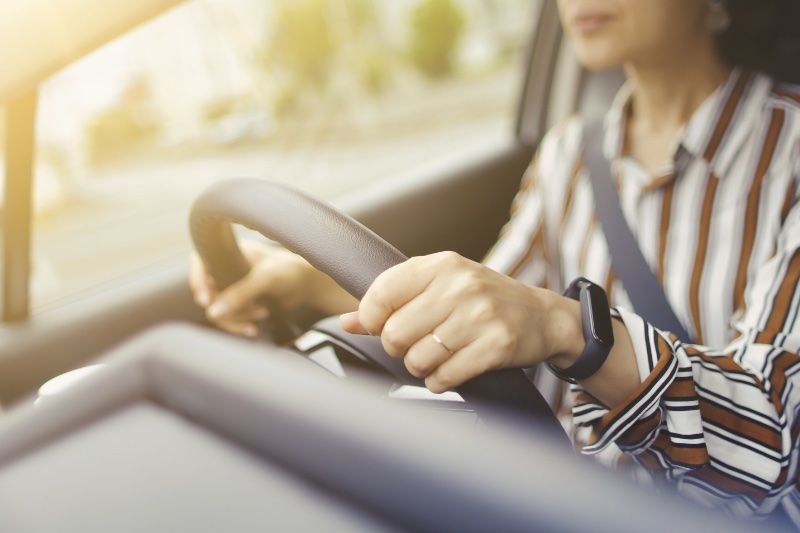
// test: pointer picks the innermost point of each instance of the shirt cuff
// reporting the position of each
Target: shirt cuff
(635, 424)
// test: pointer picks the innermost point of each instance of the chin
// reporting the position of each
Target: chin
(599, 65)
(597, 57)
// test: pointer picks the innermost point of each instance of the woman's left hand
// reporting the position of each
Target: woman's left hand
(483, 320)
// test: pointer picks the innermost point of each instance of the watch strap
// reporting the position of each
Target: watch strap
(594, 308)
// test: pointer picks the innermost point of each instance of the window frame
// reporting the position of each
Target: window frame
(20, 147)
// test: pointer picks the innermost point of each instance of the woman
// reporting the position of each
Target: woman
(707, 157)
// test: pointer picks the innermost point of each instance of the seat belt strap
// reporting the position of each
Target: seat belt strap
(645, 292)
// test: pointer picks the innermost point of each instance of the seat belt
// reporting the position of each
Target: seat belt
(645, 292)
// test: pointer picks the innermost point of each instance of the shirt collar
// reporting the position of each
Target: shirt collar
(615, 123)
(732, 110)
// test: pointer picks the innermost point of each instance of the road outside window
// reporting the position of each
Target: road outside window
(330, 96)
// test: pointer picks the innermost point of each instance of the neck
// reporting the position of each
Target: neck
(666, 93)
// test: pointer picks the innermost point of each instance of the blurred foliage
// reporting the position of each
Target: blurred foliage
(362, 15)
(436, 28)
(219, 108)
(376, 73)
(316, 46)
(124, 130)
(311, 41)
(286, 101)
(301, 41)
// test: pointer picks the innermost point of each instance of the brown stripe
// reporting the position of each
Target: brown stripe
(753, 198)
(666, 215)
(723, 362)
(756, 433)
(567, 211)
(766, 337)
(782, 477)
(726, 116)
(777, 378)
(587, 240)
(659, 182)
(784, 93)
(558, 405)
(663, 347)
(650, 461)
(610, 279)
(680, 390)
(529, 179)
(536, 242)
(700, 256)
(788, 203)
(658, 372)
(636, 434)
(782, 306)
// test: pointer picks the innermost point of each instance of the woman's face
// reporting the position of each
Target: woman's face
(610, 33)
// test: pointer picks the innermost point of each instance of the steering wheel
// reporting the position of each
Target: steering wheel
(351, 254)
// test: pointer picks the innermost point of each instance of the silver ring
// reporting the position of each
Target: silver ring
(443, 345)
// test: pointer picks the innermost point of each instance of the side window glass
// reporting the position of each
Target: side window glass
(331, 96)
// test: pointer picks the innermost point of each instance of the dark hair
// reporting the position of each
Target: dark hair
(763, 35)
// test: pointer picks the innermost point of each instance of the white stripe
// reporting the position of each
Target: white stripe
(724, 440)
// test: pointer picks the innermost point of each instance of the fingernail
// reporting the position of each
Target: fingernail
(203, 299)
(250, 330)
(218, 309)
(350, 320)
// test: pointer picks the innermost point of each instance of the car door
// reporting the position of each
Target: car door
(443, 182)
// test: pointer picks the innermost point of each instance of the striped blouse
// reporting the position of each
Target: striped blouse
(720, 227)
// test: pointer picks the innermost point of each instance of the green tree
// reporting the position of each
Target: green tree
(302, 42)
(125, 130)
(436, 28)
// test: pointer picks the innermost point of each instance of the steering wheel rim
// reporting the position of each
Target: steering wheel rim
(338, 245)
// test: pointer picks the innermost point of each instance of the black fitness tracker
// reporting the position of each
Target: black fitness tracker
(598, 331)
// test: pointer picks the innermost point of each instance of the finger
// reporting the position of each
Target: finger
(411, 323)
(250, 314)
(201, 284)
(470, 361)
(239, 296)
(351, 324)
(425, 356)
(242, 329)
(393, 289)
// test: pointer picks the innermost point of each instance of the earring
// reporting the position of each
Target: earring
(717, 19)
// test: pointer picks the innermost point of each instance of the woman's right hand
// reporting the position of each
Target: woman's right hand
(275, 272)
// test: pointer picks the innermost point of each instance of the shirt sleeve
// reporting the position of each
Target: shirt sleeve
(520, 250)
(523, 250)
(722, 424)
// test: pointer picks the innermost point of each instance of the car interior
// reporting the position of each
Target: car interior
(185, 428)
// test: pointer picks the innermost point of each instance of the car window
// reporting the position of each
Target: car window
(330, 96)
